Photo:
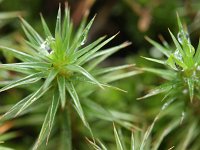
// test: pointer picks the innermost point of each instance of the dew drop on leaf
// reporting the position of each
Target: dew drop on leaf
(181, 35)
(46, 45)
(178, 55)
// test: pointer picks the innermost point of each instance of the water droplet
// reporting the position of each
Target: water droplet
(185, 91)
(181, 35)
(45, 46)
(178, 55)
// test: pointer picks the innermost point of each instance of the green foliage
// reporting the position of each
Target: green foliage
(183, 64)
(58, 64)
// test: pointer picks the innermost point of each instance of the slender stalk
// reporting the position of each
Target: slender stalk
(66, 138)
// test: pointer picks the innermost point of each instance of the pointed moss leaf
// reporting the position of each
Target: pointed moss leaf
(111, 77)
(75, 99)
(14, 67)
(84, 58)
(177, 44)
(179, 22)
(81, 70)
(23, 81)
(158, 46)
(172, 125)
(65, 23)
(132, 142)
(190, 136)
(160, 89)
(154, 60)
(149, 130)
(111, 69)
(109, 51)
(81, 39)
(61, 87)
(166, 74)
(197, 54)
(58, 24)
(100, 145)
(50, 78)
(48, 121)
(45, 27)
(11, 113)
(34, 65)
(31, 38)
(20, 55)
(39, 93)
(117, 139)
(86, 49)
(103, 147)
(100, 56)
(35, 35)
(190, 83)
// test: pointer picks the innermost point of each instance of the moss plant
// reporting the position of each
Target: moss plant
(182, 65)
(57, 64)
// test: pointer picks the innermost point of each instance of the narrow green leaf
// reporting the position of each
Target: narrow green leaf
(18, 54)
(111, 69)
(155, 60)
(149, 130)
(33, 65)
(82, 37)
(177, 44)
(74, 96)
(45, 27)
(31, 38)
(39, 93)
(164, 133)
(81, 70)
(50, 78)
(166, 74)
(48, 122)
(132, 142)
(103, 54)
(197, 54)
(62, 92)
(160, 89)
(190, 135)
(190, 83)
(84, 58)
(16, 68)
(111, 77)
(158, 46)
(23, 81)
(32, 31)
(58, 23)
(86, 49)
(117, 139)
(11, 113)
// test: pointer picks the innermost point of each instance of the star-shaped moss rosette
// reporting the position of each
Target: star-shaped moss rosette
(58, 63)
(183, 63)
